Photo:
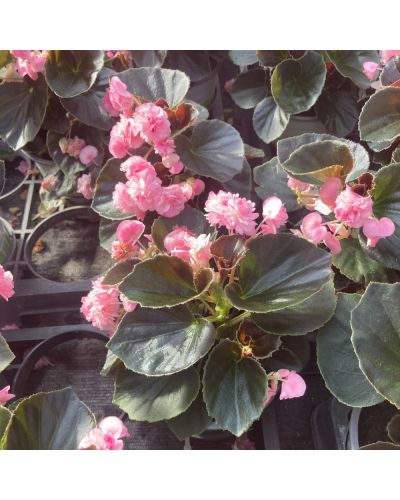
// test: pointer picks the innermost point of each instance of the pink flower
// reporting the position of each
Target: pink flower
(23, 167)
(129, 305)
(294, 184)
(6, 283)
(84, 186)
(332, 242)
(173, 164)
(106, 436)
(229, 84)
(170, 200)
(88, 154)
(49, 183)
(165, 147)
(293, 386)
(5, 395)
(122, 201)
(353, 209)
(370, 69)
(275, 215)
(229, 210)
(74, 146)
(146, 191)
(117, 99)
(198, 187)
(183, 244)
(101, 306)
(30, 62)
(135, 165)
(128, 232)
(375, 229)
(153, 123)
(386, 55)
(124, 136)
(330, 190)
(312, 228)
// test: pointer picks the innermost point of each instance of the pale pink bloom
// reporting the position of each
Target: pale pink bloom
(312, 228)
(106, 436)
(123, 201)
(170, 200)
(198, 186)
(332, 242)
(293, 386)
(49, 183)
(229, 84)
(184, 244)
(30, 62)
(146, 191)
(352, 208)
(187, 190)
(84, 186)
(117, 98)
(330, 190)
(124, 136)
(375, 229)
(6, 283)
(275, 215)
(75, 146)
(229, 210)
(134, 165)
(101, 306)
(5, 395)
(370, 69)
(298, 185)
(88, 154)
(23, 167)
(173, 164)
(386, 55)
(153, 123)
(128, 233)
(165, 147)
(129, 305)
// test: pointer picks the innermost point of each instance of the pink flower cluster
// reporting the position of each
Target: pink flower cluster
(238, 214)
(30, 62)
(104, 306)
(184, 244)
(350, 209)
(107, 435)
(84, 186)
(292, 385)
(5, 395)
(128, 233)
(6, 283)
(77, 148)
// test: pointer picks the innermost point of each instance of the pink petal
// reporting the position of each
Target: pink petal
(375, 229)
(330, 191)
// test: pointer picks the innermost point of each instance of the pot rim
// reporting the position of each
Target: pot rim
(352, 439)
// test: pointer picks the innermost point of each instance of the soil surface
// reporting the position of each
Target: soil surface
(70, 251)
(373, 422)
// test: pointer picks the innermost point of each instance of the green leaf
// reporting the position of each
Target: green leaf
(72, 72)
(215, 150)
(296, 84)
(271, 58)
(349, 63)
(152, 399)
(380, 117)
(190, 217)
(164, 281)
(161, 342)
(119, 271)
(55, 420)
(108, 178)
(278, 271)
(6, 355)
(355, 263)
(243, 57)
(269, 120)
(88, 107)
(337, 360)
(22, 110)
(272, 181)
(302, 318)
(249, 88)
(68, 164)
(149, 57)
(376, 338)
(242, 183)
(393, 429)
(338, 112)
(155, 83)
(381, 445)
(234, 388)
(191, 422)
(6, 241)
(228, 249)
(5, 417)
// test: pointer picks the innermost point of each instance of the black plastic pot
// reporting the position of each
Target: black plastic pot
(83, 213)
